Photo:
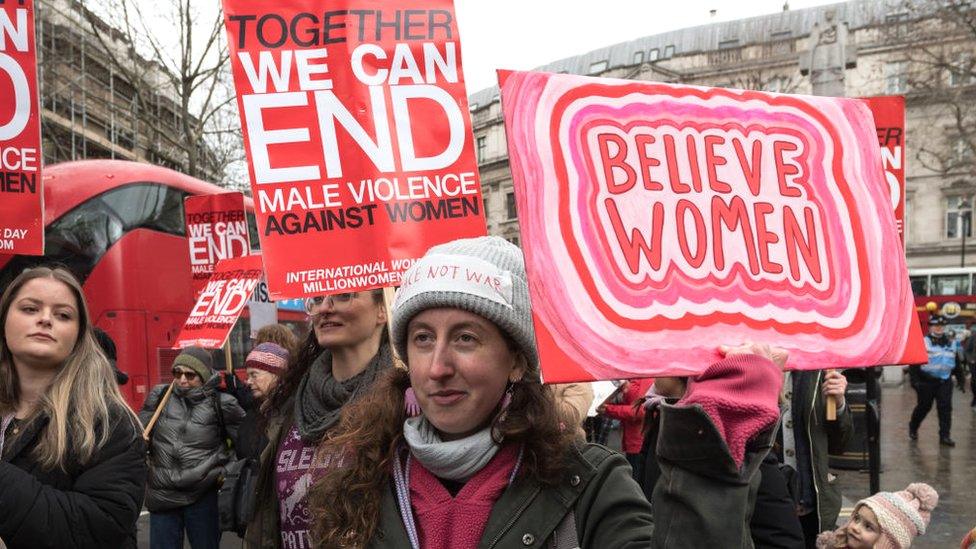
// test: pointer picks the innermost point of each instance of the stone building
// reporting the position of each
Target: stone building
(89, 108)
(771, 53)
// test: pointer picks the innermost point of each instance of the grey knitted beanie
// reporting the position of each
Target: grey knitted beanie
(484, 276)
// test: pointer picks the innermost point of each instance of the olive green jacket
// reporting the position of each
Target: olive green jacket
(825, 437)
(264, 529)
(610, 509)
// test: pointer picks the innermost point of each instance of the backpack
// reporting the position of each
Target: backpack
(237, 491)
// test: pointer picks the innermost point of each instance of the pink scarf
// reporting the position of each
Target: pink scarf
(446, 522)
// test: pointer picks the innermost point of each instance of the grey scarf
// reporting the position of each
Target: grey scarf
(321, 397)
(454, 460)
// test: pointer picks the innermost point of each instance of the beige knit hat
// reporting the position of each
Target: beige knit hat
(902, 515)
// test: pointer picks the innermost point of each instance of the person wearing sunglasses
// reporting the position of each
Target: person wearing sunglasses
(346, 349)
(188, 452)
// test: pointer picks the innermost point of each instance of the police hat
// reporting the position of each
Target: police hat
(936, 321)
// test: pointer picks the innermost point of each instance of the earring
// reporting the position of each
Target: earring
(410, 404)
(507, 398)
(506, 402)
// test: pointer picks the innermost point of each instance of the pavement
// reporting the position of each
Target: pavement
(951, 471)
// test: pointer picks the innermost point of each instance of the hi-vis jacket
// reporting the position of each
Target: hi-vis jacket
(942, 357)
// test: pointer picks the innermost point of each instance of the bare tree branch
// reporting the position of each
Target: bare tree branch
(178, 60)
(940, 73)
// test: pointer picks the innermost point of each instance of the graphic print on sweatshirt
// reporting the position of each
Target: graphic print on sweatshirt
(293, 476)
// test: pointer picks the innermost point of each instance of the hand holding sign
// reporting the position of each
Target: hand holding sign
(834, 387)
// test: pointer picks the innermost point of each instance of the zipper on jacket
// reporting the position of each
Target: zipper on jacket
(813, 464)
(511, 521)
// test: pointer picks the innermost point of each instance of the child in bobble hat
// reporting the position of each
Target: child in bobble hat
(886, 520)
(969, 542)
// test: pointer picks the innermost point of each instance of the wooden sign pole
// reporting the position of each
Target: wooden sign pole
(831, 406)
(159, 410)
(228, 361)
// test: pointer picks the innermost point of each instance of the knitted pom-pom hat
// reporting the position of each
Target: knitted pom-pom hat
(269, 357)
(484, 276)
(969, 541)
(902, 515)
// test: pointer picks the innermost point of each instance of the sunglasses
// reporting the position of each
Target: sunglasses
(190, 376)
(336, 300)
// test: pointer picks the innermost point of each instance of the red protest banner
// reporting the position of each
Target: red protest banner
(356, 127)
(221, 302)
(889, 119)
(21, 195)
(660, 221)
(216, 229)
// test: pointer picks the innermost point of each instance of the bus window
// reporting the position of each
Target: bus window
(920, 285)
(150, 206)
(957, 284)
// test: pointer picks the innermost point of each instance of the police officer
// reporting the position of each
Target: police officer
(933, 381)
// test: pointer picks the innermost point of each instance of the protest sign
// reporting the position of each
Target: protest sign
(359, 143)
(263, 311)
(21, 194)
(220, 303)
(889, 122)
(216, 229)
(602, 392)
(660, 221)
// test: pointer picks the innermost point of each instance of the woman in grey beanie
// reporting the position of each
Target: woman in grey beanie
(469, 431)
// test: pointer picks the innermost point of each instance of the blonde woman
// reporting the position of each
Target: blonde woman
(73, 467)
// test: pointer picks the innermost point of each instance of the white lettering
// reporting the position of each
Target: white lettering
(408, 155)
(260, 138)
(280, 76)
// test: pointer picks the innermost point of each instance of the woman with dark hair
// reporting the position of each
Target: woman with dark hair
(345, 351)
(467, 447)
(72, 458)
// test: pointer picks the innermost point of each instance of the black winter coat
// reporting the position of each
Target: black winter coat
(187, 452)
(86, 507)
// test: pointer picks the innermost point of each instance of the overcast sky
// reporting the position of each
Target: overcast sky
(524, 34)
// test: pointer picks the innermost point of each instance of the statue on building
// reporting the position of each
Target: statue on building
(828, 55)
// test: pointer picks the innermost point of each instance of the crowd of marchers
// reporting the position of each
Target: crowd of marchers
(420, 424)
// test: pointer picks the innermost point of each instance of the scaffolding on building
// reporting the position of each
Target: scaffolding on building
(89, 108)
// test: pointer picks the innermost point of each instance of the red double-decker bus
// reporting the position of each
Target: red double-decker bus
(119, 226)
(948, 291)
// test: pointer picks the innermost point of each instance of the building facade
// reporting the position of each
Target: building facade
(89, 107)
(772, 53)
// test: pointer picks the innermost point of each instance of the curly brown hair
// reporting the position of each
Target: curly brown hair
(345, 500)
(278, 334)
